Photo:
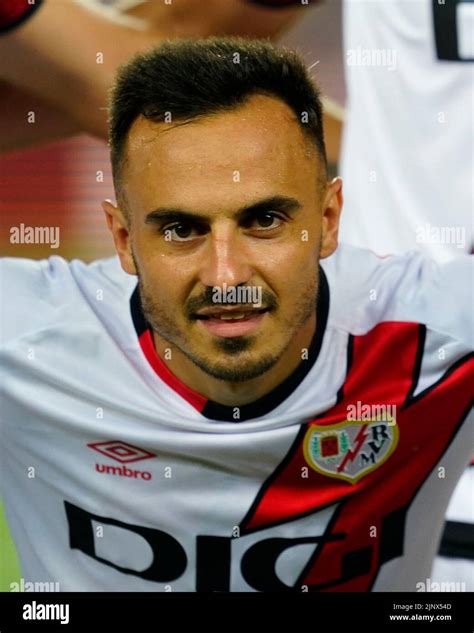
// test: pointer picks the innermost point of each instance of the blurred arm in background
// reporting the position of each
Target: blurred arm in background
(17, 133)
(65, 56)
(60, 63)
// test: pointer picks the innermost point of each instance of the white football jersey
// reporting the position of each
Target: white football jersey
(407, 156)
(117, 477)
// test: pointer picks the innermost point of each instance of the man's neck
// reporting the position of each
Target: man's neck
(236, 393)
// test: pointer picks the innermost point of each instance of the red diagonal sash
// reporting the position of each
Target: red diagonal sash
(385, 363)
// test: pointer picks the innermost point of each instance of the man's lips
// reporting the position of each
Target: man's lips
(230, 322)
(235, 312)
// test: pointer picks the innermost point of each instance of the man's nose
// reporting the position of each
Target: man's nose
(225, 259)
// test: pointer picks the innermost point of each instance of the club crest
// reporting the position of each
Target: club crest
(351, 449)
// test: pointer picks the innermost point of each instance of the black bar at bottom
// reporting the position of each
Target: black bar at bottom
(236, 612)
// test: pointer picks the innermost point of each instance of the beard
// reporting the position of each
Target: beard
(231, 359)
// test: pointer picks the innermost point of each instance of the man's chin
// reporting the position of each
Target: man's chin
(235, 369)
(233, 346)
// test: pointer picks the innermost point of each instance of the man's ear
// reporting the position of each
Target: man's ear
(332, 207)
(119, 228)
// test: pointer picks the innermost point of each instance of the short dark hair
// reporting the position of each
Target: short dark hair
(189, 79)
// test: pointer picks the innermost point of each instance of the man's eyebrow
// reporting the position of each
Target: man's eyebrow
(284, 204)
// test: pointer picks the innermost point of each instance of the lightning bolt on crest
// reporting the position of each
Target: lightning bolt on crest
(352, 453)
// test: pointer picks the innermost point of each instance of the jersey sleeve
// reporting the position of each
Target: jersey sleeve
(366, 290)
(440, 296)
(32, 293)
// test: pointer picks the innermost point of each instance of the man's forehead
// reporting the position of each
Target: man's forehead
(263, 125)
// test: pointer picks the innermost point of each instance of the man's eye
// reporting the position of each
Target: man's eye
(267, 221)
(178, 232)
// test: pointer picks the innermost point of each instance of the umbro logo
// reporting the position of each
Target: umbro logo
(121, 452)
(125, 454)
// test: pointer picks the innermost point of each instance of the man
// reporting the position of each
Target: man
(262, 411)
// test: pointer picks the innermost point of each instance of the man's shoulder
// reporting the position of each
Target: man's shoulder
(37, 276)
(367, 289)
(35, 292)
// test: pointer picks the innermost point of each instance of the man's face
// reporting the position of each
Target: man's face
(227, 202)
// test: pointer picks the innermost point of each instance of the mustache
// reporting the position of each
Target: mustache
(194, 304)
